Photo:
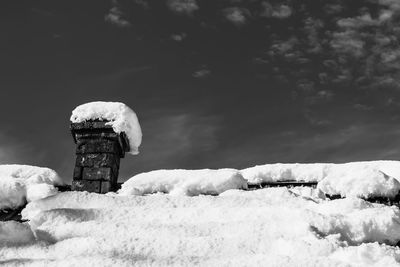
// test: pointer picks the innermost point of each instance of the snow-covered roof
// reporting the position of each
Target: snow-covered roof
(360, 179)
(22, 183)
(272, 226)
(184, 182)
(166, 218)
(121, 118)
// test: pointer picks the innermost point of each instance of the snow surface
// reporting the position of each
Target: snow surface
(361, 179)
(273, 226)
(184, 182)
(120, 117)
(169, 218)
(15, 233)
(22, 183)
(310, 172)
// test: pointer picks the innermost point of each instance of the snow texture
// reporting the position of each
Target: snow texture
(14, 233)
(184, 182)
(311, 172)
(361, 179)
(22, 183)
(273, 226)
(200, 217)
(120, 117)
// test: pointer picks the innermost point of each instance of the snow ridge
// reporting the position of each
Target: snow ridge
(359, 179)
(184, 182)
(22, 183)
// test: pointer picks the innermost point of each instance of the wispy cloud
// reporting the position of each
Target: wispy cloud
(117, 17)
(186, 7)
(280, 11)
(178, 37)
(201, 73)
(236, 15)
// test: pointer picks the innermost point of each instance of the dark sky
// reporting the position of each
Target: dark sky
(214, 83)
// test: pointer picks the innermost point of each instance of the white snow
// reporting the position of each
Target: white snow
(370, 254)
(14, 233)
(357, 221)
(12, 193)
(38, 191)
(361, 179)
(273, 226)
(120, 117)
(184, 182)
(21, 183)
(311, 172)
(169, 218)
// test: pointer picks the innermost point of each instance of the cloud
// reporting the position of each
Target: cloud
(393, 5)
(178, 37)
(285, 47)
(364, 20)
(116, 17)
(348, 42)
(314, 47)
(322, 96)
(280, 11)
(333, 8)
(185, 7)
(236, 15)
(366, 47)
(142, 3)
(356, 50)
(313, 28)
(363, 107)
(202, 73)
(315, 121)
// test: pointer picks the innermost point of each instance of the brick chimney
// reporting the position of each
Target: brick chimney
(98, 153)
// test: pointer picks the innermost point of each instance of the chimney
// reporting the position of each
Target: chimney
(98, 152)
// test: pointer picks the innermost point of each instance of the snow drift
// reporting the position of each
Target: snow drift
(120, 117)
(361, 179)
(204, 219)
(22, 183)
(236, 228)
(184, 182)
(311, 172)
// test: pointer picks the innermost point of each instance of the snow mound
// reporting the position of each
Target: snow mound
(356, 221)
(363, 179)
(370, 254)
(21, 183)
(235, 228)
(184, 182)
(120, 117)
(312, 172)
